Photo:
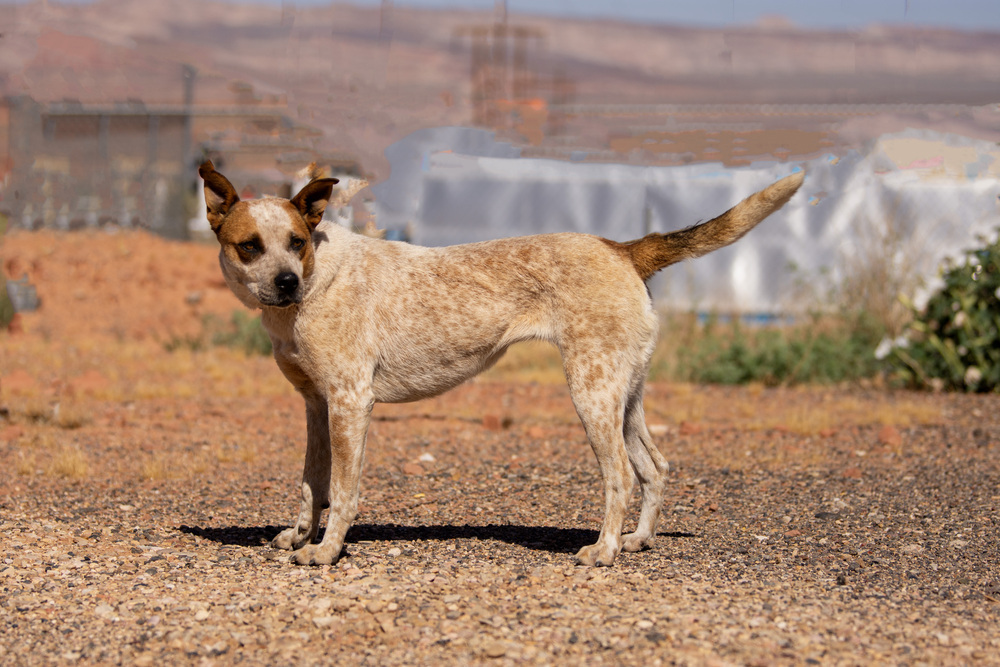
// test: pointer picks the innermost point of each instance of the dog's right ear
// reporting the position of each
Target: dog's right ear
(220, 195)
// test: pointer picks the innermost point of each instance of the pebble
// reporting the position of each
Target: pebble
(890, 436)
(324, 621)
(413, 469)
(494, 649)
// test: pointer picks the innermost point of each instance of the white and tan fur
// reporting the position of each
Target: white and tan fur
(356, 321)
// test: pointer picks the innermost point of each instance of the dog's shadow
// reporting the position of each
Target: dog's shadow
(537, 538)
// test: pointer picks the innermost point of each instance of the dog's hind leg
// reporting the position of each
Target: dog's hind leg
(315, 478)
(600, 402)
(650, 469)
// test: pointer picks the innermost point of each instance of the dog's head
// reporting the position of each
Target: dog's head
(267, 248)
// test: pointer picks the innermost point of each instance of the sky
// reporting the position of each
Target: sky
(962, 14)
(979, 15)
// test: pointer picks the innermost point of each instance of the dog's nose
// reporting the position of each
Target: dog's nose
(286, 282)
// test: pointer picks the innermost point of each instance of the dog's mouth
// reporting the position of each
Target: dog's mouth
(282, 302)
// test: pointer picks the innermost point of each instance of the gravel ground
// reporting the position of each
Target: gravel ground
(860, 543)
(142, 477)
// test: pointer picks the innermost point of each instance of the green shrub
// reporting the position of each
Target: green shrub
(243, 331)
(954, 343)
(815, 352)
(6, 307)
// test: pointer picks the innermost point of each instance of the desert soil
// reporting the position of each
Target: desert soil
(143, 475)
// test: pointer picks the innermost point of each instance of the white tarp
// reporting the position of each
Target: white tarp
(458, 185)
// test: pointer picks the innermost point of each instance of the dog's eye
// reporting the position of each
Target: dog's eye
(249, 247)
(297, 243)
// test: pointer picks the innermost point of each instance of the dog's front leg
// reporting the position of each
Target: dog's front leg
(315, 478)
(349, 416)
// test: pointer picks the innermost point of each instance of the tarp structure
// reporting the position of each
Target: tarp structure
(930, 195)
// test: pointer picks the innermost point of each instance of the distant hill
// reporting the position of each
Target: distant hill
(367, 78)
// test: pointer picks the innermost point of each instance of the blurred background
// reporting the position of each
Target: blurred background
(475, 119)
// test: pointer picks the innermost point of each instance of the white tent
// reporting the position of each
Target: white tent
(459, 185)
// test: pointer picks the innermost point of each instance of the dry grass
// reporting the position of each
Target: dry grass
(534, 361)
(156, 468)
(124, 371)
(68, 462)
(25, 464)
(70, 415)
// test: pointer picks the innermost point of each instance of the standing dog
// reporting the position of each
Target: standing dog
(356, 320)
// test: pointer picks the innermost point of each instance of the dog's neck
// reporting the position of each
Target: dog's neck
(332, 245)
(279, 322)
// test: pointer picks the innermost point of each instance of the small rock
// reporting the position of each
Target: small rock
(841, 580)
(851, 473)
(690, 428)
(494, 649)
(413, 469)
(912, 549)
(492, 422)
(426, 457)
(201, 615)
(386, 622)
(889, 436)
(395, 551)
(958, 544)
(324, 621)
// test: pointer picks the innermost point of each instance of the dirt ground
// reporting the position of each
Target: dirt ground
(143, 475)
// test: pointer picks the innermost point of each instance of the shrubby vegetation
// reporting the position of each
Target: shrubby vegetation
(242, 331)
(954, 341)
(821, 350)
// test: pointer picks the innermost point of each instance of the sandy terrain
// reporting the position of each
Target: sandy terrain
(143, 474)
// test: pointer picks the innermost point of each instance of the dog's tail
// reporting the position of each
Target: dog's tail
(657, 251)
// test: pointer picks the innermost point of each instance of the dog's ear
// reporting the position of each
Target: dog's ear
(220, 195)
(313, 198)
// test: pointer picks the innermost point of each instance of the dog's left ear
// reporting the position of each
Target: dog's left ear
(313, 198)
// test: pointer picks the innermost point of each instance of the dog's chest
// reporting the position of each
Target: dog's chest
(287, 352)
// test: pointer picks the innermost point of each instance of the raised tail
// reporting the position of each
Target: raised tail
(657, 251)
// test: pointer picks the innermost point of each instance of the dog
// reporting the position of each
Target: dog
(356, 321)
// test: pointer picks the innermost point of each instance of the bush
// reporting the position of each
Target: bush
(243, 331)
(954, 343)
(816, 352)
(6, 307)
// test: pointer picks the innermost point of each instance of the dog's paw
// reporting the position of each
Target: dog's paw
(288, 539)
(635, 542)
(316, 554)
(598, 554)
